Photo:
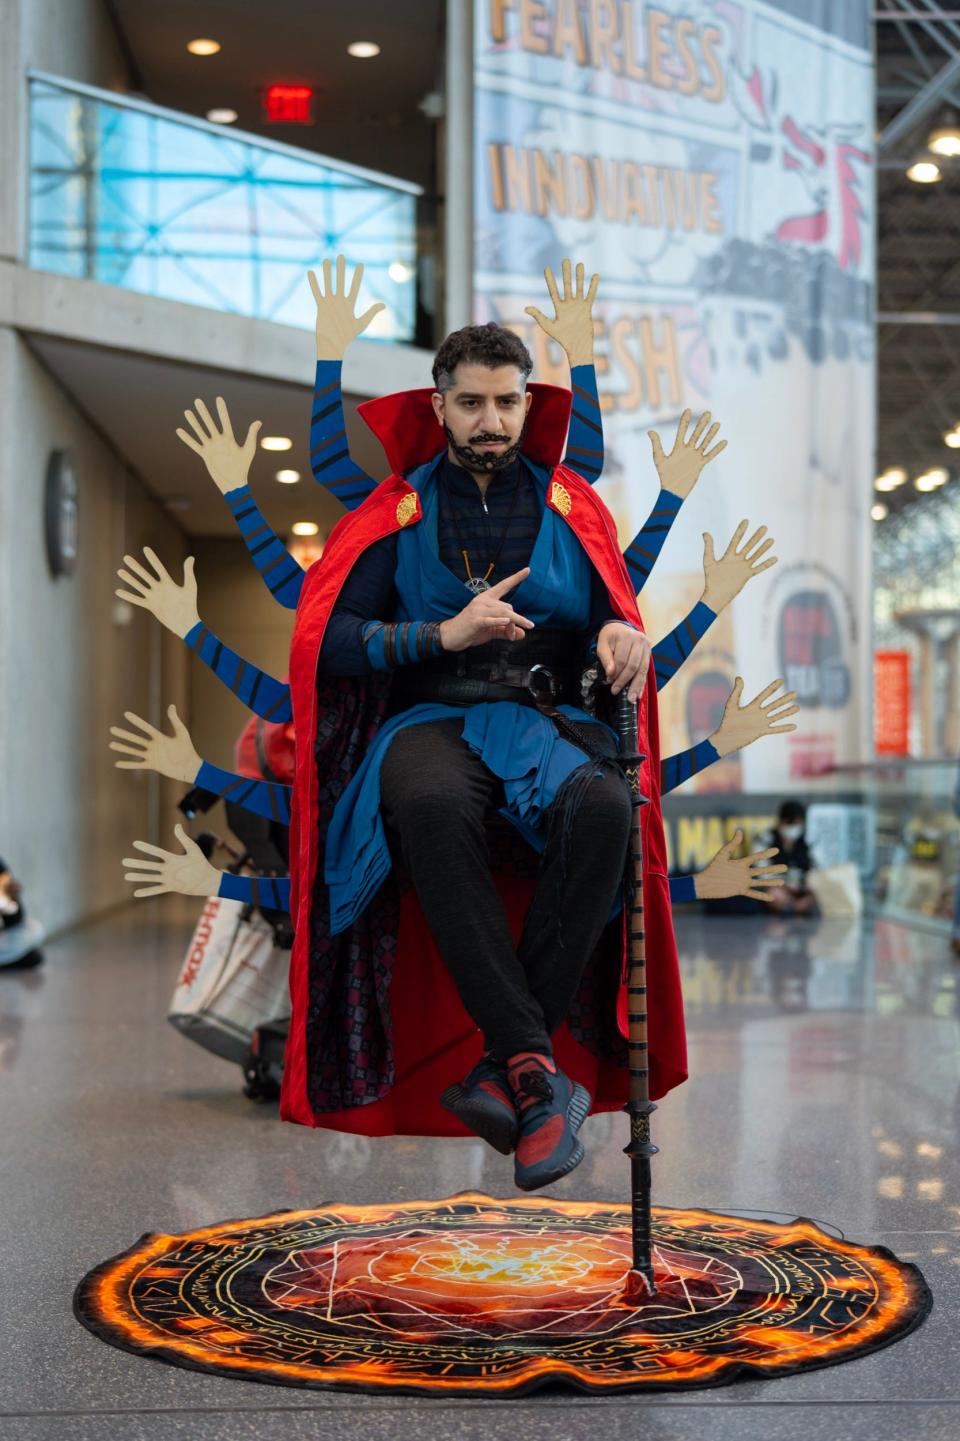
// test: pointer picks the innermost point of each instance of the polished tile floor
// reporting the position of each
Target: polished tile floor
(826, 1083)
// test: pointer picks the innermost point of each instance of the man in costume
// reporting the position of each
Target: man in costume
(435, 687)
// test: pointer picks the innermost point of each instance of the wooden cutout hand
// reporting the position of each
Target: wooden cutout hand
(172, 756)
(227, 461)
(174, 606)
(763, 716)
(725, 876)
(726, 577)
(572, 323)
(680, 470)
(189, 874)
(337, 324)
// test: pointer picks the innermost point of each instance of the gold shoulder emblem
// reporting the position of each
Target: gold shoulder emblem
(406, 508)
(560, 498)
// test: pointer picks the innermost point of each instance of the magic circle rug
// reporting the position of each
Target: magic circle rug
(478, 1297)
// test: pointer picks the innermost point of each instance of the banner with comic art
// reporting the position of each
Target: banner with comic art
(712, 160)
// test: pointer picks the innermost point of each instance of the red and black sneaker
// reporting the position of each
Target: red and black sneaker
(484, 1102)
(550, 1111)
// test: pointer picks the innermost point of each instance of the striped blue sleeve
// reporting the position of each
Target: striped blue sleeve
(682, 888)
(674, 770)
(280, 573)
(387, 645)
(259, 692)
(329, 448)
(272, 892)
(641, 554)
(670, 653)
(584, 452)
(264, 798)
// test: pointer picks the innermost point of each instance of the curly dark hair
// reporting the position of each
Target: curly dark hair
(489, 345)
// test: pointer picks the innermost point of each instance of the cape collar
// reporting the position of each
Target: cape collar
(407, 428)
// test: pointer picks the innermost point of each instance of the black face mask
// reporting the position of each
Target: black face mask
(488, 461)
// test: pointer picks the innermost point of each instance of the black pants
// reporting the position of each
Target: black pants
(437, 797)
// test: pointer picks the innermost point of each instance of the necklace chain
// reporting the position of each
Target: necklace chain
(477, 584)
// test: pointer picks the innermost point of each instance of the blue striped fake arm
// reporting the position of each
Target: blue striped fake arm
(584, 452)
(271, 892)
(329, 448)
(264, 798)
(674, 770)
(279, 572)
(387, 645)
(670, 653)
(259, 692)
(641, 554)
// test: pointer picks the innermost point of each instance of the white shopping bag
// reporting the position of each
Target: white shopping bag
(837, 890)
(233, 979)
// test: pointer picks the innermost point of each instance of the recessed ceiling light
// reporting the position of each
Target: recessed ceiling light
(399, 272)
(924, 172)
(288, 477)
(879, 511)
(363, 49)
(952, 438)
(891, 478)
(222, 115)
(305, 527)
(203, 47)
(945, 140)
(276, 442)
(931, 479)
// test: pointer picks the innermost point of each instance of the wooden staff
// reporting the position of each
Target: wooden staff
(640, 1283)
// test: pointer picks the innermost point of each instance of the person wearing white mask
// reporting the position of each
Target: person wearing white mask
(793, 897)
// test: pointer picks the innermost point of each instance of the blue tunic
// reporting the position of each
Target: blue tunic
(515, 742)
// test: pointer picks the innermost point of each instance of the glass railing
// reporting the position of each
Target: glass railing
(916, 837)
(129, 194)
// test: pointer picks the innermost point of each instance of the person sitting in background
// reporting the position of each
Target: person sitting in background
(793, 897)
(11, 911)
(20, 938)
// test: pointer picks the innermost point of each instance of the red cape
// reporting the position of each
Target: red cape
(378, 1029)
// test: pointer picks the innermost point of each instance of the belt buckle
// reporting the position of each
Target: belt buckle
(542, 685)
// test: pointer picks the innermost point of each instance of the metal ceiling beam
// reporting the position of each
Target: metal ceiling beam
(922, 103)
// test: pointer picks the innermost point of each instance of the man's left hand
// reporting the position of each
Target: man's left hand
(624, 654)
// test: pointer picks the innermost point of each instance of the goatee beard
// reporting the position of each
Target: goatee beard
(487, 461)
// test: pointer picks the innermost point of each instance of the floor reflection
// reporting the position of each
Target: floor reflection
(750, 964)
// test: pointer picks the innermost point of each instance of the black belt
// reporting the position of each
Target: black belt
(538, 686)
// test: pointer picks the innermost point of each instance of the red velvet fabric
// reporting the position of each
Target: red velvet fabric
(435, 1041)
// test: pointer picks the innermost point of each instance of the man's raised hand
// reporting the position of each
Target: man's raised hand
(680, 470)
(174, 606)
(572, 323)
(337, 324)
(726, 577)
(487, 617)
(227, 461)
(748, 876)
(173, 756)
(624, 654)
(189, 874)
(763, 716)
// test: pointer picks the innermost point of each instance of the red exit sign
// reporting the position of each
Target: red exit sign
(288, 104)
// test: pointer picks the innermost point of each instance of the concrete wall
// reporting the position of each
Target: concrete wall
(72, 38)
(68, 670)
